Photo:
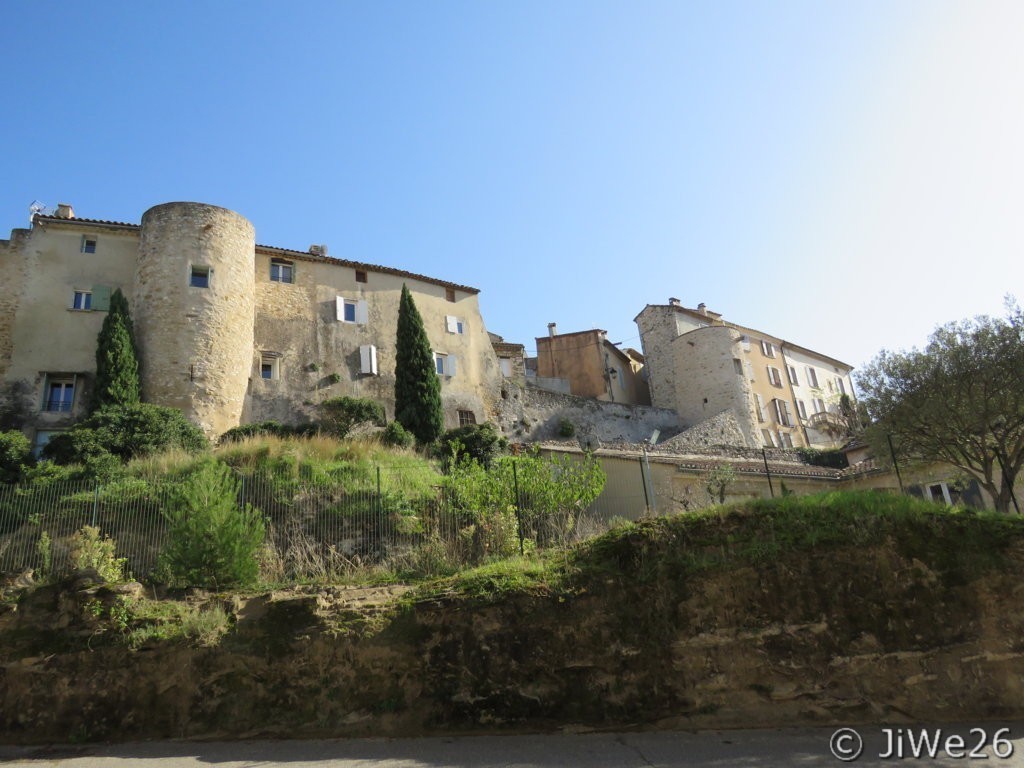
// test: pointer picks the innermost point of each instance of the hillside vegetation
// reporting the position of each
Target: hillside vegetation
(840, 608)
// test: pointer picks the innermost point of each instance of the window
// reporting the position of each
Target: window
(782, 412)
(444, 364)
(792, 376)
(449, 294)
(737, 366)
(769, 438)
(842, 388)
(767, 348)
(368, 359)
(774, 376)
(801, 409)
(759, 402)
(745, 341)
(819, 405)
(454, 324)
(60, 394)
(506, 366)
(269, 368)
(88, 244)
(200, 277)
(812, 377)
(352, 311)
(785, 440)
(466, 418)
(282, 271)
(82, 300)
(361, 276)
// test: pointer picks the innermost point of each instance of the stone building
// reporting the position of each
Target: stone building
(586, 364)
(228, 331)
(782, 394)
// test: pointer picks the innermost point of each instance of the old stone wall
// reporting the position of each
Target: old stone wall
(319, 353)
(196, 341)
(528, 413)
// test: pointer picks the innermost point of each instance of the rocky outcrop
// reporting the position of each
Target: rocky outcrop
(894, 632)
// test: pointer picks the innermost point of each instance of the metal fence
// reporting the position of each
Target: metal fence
(315, 526)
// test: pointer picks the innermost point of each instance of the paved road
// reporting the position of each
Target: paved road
(800, 747)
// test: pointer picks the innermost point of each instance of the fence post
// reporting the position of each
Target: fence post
(771, 489)
(95, 504)
(519, 514)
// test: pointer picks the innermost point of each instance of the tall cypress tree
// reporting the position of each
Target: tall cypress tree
(117, 366)
(417, 387)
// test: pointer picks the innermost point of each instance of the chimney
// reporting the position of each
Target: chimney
(64, 211)
(673, 302)
(318, 250)
(552, 329)
(702, 308)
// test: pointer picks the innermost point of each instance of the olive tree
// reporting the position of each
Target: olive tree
(960, 400)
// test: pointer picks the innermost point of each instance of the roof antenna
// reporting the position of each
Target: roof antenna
(37, 207)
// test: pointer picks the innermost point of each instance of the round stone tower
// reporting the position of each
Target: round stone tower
(194, 311)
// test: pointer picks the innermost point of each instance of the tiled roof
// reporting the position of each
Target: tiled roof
(77, 220)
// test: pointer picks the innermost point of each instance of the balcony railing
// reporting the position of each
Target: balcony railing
(58, 405)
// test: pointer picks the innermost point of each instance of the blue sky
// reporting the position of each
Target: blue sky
(844, 175)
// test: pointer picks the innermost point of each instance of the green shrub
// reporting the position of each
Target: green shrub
(261, 428)
(89, 550)
(213, 542)
(833, 458)
(478, 442)
(15, 456)
(395, 434)
(566, 428)
(340, 415)
(126, 432)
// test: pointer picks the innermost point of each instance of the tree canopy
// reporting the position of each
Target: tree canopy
(417, 388)
(117, 366)
(959, 400)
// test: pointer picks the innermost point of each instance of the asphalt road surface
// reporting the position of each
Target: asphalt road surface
(987, 745)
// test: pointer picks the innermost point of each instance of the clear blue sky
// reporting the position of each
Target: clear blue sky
(846, 175)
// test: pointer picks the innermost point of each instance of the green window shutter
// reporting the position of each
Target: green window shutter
(101, 298)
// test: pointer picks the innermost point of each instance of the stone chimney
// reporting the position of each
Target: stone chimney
(64, 211)
(318, 250)
(674, 302)
(552, 329)
(702, 308)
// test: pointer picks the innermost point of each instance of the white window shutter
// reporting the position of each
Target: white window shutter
(449, 367)
(451, 323)
(362, 313)
(339, 308)
(368, 359)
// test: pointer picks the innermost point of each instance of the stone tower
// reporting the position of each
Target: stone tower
(194, 311)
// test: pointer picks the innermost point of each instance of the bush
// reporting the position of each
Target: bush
(213, 541)
(262, 428)
(566, 428)
(395, 434)
(89, 550)
(126, 432)
(340, 415)
(835, 459)
(478, 442)
(15, 456)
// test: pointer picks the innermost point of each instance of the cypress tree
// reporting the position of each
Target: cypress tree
(417, 387)
(117, 366)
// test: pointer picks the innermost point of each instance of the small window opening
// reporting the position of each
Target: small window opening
(449, 294)
(360, 275)
(466, 418)
(82, 300)
(200, 277)
(88, 244)
(282, 271)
